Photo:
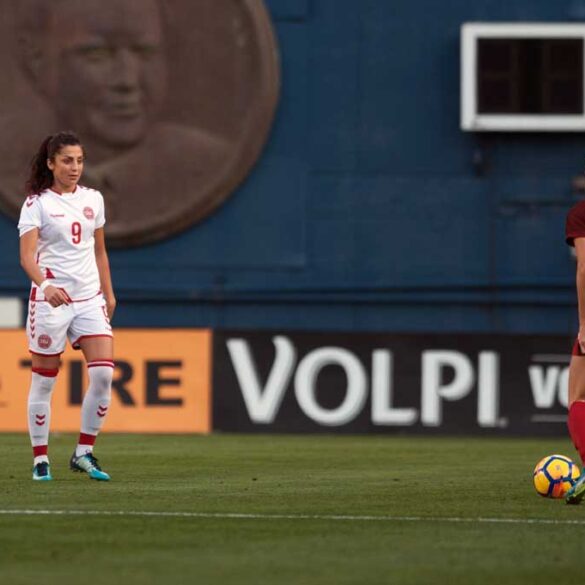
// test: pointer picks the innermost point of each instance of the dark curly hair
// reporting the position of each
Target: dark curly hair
(41, 176)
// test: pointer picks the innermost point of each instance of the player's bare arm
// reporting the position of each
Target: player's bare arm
(103, 266)
(28, 248)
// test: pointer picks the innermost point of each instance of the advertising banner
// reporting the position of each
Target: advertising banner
(161, 383)
(379, 383)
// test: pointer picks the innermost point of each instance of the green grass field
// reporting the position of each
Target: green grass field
(446, 511)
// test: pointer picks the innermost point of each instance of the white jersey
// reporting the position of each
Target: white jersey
(65, 250)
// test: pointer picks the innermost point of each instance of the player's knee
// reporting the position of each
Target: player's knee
(43, 381)
(100, 378)
(576, 394)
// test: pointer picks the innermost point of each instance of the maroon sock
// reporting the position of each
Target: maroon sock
(576, 424)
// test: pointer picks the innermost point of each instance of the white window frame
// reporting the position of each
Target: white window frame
(10, 313)
(471, 119)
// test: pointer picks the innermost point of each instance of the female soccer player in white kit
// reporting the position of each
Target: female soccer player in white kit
(62, 250)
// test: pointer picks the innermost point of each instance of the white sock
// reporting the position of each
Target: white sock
(83, 449)
(39, 411)
(96, 403)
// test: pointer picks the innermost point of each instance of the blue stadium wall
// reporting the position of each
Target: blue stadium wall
(370, 210)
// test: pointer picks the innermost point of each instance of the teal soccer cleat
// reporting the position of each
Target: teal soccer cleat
(89, 464)
(577, 492)
(42, 472)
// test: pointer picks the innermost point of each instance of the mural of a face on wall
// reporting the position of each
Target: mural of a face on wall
(172, 100)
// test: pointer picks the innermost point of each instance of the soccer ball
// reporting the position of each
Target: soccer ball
(554, 475)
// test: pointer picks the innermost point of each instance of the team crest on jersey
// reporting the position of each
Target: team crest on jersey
(44, 341)
(88, 212)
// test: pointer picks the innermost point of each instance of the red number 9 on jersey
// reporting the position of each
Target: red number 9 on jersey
(76, 232)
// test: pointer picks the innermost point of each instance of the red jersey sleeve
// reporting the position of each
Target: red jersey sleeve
(575, 225)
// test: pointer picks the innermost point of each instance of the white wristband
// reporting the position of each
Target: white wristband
(44, 285)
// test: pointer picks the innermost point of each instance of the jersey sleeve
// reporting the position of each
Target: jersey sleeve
(30, 215)
(100, 218)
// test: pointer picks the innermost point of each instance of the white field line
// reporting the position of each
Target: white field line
(325, 517)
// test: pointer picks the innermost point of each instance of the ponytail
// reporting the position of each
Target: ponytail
(41, 176)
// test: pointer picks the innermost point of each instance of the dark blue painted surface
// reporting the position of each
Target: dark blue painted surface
(365, 212)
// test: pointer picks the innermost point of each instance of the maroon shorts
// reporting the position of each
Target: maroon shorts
(577, 349)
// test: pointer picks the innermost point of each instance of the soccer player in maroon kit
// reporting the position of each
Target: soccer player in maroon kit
(575, 236)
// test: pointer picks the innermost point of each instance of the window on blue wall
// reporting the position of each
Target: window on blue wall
(530, 76)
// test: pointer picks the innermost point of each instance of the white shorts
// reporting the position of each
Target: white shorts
(49, 327)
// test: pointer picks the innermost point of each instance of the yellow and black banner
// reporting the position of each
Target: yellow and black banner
(161, 383)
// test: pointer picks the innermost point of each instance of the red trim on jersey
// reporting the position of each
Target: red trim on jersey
(44, 354)
(33, 293)
(40, 450)
(46, 372)
(48, 273)
(97, 363)
(86, 439)
(76, 342)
